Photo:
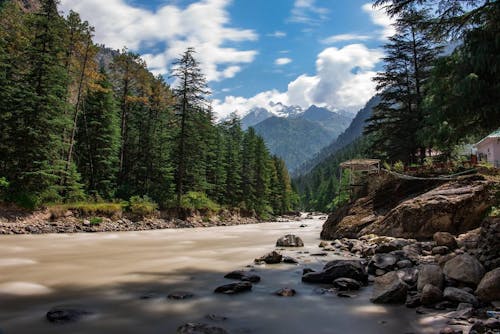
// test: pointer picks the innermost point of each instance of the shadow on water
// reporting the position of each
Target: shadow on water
(143, 307)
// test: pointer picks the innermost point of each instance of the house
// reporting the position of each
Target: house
(488, 149)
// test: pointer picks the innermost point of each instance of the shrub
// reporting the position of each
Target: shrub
(4, 186)
(85, 209)
(142, 206)
(198, 201)
(399, 167)
(96, 220)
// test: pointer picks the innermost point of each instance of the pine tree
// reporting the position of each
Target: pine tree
(194, 117)
(98, 140)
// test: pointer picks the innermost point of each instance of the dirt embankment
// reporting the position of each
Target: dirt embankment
(414, 208)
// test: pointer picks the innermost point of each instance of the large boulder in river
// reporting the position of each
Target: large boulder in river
(195, 328)
(389, 289)
(336, 269)
(488, 289)
(290, 240)
(234, 288)
(454, 207)
(431, 295)
(464, 269)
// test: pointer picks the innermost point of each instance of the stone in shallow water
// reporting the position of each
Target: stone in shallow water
(346, 284)
(290, 240)
(197, 328)
(216, 317)
(389, 288)
(63, 315)
(243, 276)
(180, 295)
(459, 296)
(271, 258)
(336, 269)
(289, 260)
(234, 288)
(285, 292)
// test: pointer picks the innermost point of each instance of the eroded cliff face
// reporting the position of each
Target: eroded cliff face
(414, 209)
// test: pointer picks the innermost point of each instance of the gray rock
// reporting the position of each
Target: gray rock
(63, 315)
(445, 239)
(382, 261)
(271, 258)
(196, 328)
(408, 275)
(459, 296)
(465, 269)
(234, 288)
(413, 301)
(286, 292)
(290, 240)
(389, 288)
(488, 289)
(243, 276)
(429, 274)
(346, 284)
(289, 260)
(336, 269)
(440, 250)
(404, 264)
(431, 295)
(180, 295)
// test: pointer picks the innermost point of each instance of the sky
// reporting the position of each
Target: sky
(253, 52)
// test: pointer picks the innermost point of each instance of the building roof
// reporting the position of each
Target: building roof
(361, 164)
(494, 134)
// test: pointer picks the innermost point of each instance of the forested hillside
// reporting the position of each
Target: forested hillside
(81, 123)
(428, 100)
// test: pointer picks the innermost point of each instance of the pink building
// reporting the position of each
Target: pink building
(488, 149)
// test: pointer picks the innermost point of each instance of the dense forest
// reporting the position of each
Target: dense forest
(431, 99)
(73, 128)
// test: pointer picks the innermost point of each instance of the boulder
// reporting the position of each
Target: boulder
(346, 284)
(454, 207)
(63, 315)
(290, 240)
(429, 274)
(290, 260)
(445, 239)
(385, 262)
(489, 243)
(196, 328)
(464, 269)
(336, 269)
(488, 289)
(408, 275)
(271, 258)
(459, 296)
(431, 295)
(285, 292)
(389, 288)
(234, 288)
(243, 276)
(440, 250)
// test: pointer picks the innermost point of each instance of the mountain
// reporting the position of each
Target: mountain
(354, 131)
(301, 134)
(293, 139)
(255, 116)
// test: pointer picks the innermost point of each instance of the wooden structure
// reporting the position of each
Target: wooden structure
(357, 165)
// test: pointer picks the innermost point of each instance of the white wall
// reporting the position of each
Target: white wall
(491, 149)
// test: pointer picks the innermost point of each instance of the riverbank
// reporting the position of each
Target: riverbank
(14, 221)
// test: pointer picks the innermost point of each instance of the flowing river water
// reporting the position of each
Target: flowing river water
(124, 278)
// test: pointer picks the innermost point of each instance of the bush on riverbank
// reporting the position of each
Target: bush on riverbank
(142, 206)
(85, 209)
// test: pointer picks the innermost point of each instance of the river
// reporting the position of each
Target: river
(124, 278)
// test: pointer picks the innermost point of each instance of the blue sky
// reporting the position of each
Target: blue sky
(298, 52)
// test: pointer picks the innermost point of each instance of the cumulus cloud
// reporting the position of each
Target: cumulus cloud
(282, 61)
(307, 12)
(203, 25)
(344, 37)
(380, 18)
(343, 80)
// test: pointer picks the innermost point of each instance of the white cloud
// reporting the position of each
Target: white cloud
(203, 25)
(306, 12)
(344, 37)
(277, 34)
(380, 18)
(282, 61)
(343, 80)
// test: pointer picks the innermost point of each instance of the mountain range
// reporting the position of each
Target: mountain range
(295, 134)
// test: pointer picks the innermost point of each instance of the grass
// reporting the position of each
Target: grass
(142, 206)
(96, 220)
(86, 209)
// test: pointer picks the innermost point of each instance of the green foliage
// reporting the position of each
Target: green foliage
(398, 166)
(86, 209)
(198, 201)
(4, 186)
(142, 206)
(95, 220)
